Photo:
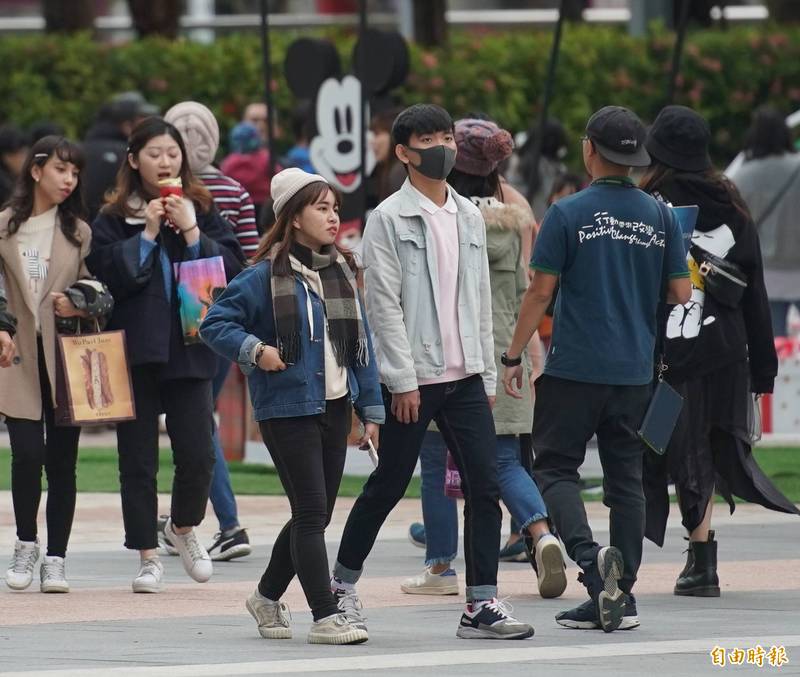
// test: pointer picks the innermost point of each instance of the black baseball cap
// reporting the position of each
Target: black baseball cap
(618, 135)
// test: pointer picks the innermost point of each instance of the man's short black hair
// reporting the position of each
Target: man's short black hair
(421, 118)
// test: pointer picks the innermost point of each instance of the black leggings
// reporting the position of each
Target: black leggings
(309, 454)
(41, 443)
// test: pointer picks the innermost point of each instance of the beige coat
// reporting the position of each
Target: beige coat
(20, 393)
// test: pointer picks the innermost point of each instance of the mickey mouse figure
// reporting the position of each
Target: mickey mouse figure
(313, 72)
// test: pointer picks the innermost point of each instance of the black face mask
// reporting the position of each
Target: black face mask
(435, 162)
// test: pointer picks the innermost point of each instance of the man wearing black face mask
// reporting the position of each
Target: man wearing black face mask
(429, 302)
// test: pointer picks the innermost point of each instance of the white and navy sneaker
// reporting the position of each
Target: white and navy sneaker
(229, 545)
(491, 619)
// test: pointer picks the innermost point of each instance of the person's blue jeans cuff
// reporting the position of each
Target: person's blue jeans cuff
(536, 518)
(476, 593)
(439, 560)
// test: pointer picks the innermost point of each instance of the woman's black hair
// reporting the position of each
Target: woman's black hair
(71, 209)
(768, 135)
(421, 118)
(129, 182)
(659, 175)
(471, 185)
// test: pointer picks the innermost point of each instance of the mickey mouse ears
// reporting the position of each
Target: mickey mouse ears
(309, 62)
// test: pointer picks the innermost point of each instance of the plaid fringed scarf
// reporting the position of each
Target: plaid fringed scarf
(343, 312)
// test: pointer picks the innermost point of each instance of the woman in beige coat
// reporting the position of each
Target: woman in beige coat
(43, 244)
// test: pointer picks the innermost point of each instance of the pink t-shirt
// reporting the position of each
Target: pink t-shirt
(443, 230)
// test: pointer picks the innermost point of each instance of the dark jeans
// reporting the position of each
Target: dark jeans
(309, 454)
(188, 408)
(461, 411)
(566, 415)
(37, 443)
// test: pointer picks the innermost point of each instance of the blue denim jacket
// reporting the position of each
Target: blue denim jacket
(243, 316)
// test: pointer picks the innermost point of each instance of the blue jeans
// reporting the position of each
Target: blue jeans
(517, 489)
(221, 494)
(439, 512)
(779, 310)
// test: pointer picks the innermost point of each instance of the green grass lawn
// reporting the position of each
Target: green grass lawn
(97, 471)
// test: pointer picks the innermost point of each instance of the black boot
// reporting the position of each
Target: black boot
(701, 580)
(689, 559)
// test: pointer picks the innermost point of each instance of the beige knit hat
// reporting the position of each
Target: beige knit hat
(286, 184)
(199, 130)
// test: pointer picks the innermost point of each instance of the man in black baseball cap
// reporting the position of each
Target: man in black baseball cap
(618, 135)
(613, 248)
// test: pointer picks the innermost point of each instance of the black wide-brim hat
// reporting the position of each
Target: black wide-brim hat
(679, 138)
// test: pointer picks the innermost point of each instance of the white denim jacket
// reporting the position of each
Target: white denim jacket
(402, 290)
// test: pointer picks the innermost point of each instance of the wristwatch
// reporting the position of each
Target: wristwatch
(510, 361)
(258, 352)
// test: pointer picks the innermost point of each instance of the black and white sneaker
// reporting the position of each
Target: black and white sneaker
(230, 545)
(601, 579)
(584, 616)
(610, 600)
(491, 620)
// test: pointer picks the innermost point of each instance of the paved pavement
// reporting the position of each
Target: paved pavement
(101, 628)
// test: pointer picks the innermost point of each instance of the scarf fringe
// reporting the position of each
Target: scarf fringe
(351, 353)
(289, 347)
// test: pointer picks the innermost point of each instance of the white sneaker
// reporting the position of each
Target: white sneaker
(150, 576)
(53, 575)
(350, 606)
(550, 567)
(272, 624)
(336, 629)
(195, 558)
(20, 570)
(428, 583)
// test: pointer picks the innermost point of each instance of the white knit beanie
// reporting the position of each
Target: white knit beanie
(199, 130)
(286, 184)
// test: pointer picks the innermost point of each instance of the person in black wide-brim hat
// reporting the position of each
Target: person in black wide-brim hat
(717, 353)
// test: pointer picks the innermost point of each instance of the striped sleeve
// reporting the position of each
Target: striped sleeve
(236, 207)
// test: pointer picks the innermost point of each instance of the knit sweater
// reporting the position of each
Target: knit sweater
(34, 241)
(235, 205)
